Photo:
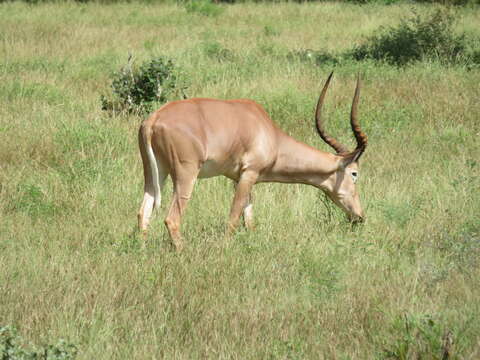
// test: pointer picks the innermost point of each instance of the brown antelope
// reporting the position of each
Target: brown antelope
(200, 138)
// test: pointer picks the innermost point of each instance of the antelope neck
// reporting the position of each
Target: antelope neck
(300, 163)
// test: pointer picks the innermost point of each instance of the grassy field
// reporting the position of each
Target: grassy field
(304, 284)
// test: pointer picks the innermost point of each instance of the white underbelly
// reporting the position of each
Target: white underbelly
(211, 168)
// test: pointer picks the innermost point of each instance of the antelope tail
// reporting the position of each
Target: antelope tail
(147, 140)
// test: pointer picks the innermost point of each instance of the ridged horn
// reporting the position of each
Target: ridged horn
(360, 136)
(339, 148)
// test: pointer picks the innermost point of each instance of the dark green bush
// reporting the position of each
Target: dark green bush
(215, 50)
(135, 89)
(203, 7)
(12, 348)
(209, 8)
(417, 336)
(384, 2)
(431, 37)
(416, 39)
(451, 2)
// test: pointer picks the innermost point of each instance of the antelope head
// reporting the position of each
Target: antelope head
(340, 185)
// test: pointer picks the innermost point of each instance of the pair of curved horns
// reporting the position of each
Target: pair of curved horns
(360, 136)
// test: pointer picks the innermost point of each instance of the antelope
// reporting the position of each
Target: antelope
(204, 137)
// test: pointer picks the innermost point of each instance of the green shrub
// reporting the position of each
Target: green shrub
(135, 89)
(34, 201)
(11, 348)
(418, 336)
(416, 39)
(382, 2)
(451, 2)
(203, 7)
(215, 50)
(269, 30)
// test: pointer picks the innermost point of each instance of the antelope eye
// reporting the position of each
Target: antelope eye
(354, 176)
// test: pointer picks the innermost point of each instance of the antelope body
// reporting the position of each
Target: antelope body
(201, 138)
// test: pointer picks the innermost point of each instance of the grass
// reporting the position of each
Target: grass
(304, 284)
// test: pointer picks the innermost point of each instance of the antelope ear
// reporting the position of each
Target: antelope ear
(351, 158)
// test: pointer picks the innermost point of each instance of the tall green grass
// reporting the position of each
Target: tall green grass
(304, 284)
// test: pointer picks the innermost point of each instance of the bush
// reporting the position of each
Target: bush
(136, 89)
(431, 37)
(215, 50)
(203, 7)
(451, 2)
(417, 39)
(11, 348)
(417, 336)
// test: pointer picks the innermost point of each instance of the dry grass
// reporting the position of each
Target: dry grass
(304, 284)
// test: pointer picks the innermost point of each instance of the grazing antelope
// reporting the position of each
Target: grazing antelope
(200, 138)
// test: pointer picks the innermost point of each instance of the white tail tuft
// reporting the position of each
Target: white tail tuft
(154, 167)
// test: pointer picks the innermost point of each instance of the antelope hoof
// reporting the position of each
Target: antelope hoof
(178, 245)
(231, 228)
(249, 224)
(356, 220)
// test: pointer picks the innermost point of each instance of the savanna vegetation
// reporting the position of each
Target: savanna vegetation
(76, 279)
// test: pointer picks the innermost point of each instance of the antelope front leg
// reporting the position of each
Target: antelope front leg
(247, 211)
(241, 201)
